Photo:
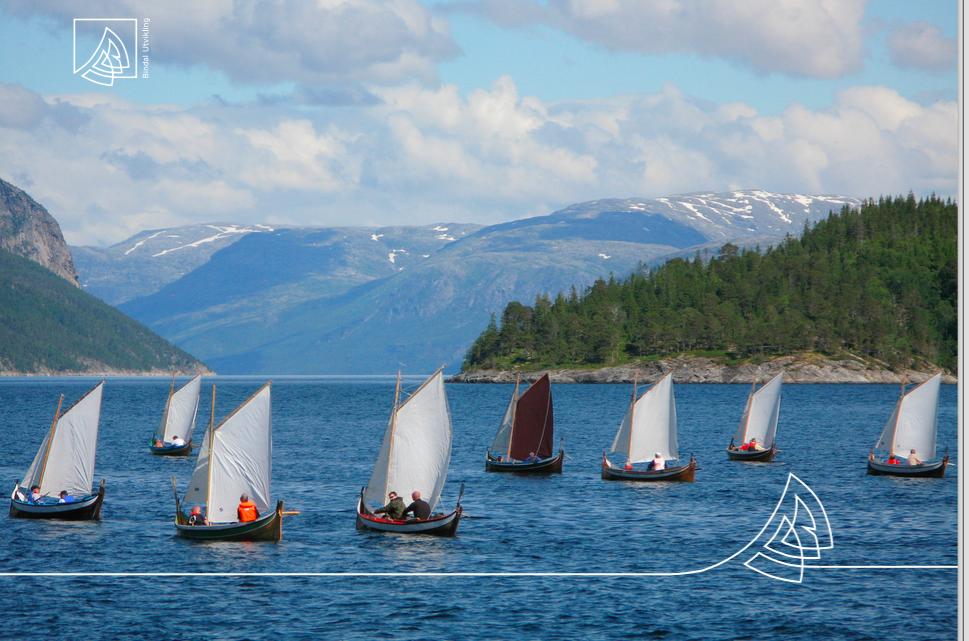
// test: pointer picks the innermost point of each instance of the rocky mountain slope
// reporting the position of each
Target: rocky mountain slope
(28, 230)
(357, 300)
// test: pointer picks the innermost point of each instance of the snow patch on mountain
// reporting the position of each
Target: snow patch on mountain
(223, 231)
(142, 242)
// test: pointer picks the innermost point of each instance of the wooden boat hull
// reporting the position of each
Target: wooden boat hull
(760, 456)
(172, 450)
(926, 470)
(265, 528)
(551, 465)
(86, 509)
(681, 473)
(441, 525)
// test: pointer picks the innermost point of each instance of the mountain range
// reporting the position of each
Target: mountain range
(269, 299)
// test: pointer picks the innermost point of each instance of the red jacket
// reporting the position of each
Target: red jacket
(247, 512)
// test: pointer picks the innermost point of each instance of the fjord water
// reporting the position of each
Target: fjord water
(326, 433)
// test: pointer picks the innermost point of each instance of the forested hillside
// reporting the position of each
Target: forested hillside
(879, 281)
(48, 325)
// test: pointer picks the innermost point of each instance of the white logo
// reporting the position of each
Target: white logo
(112, 58)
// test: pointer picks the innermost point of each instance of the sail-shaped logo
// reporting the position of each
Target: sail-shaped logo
(795, 535)
(112, 57)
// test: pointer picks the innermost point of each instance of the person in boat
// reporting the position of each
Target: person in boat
(419, 507)
(35, 496)
(658, 463)
(196, 517)
(178, 441)
(247, 510)
(394, 508)
(913, 459)
(532, 458)
(64, 497)
(752, 446)
(157, 443)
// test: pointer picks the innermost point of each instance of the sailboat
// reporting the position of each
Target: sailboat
(235, 459)
(178, 420)
(912, 427)
(759, 424)
(649, 428)
(414, 455)
(65, 463)
(523, 443)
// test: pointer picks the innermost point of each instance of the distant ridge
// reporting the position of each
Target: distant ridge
(369, 300)
(48, 326)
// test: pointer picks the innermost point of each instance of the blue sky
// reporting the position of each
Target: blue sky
(473, 110)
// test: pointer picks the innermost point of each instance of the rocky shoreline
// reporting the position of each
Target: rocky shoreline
(104, 372)
(693, 369)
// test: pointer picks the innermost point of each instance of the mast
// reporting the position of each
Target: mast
(50, 440)
(632, 408)
(393, 425)
(750, 398)
(514, 408)
(208, 485)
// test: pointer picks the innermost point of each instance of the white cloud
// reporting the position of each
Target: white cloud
(818, 38)
(921, 45)
(255, 42)
(424, 154)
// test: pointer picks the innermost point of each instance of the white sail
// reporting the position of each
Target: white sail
(65, 460)
(180, 413)
(760, 419)
(240, 461)
(913, 424)
(653, 425)
(416, 448)
(198, 487)
(502, 441)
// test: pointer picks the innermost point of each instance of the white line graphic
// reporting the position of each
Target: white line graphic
(798, 534)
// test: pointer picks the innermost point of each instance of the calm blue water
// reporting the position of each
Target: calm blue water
(326, 436)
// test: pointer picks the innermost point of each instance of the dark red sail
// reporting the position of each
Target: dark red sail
(532, 431)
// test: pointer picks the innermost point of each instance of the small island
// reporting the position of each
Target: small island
(868, 295)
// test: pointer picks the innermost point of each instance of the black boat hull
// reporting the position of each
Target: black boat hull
(265, 528)
(551, 465)
(86, 509)
(759, 456)
(442, 525)
(679, 473)
(926, 470)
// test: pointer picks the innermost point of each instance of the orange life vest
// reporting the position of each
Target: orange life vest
(248, 512)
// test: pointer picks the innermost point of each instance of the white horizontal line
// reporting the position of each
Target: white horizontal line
(443, 574)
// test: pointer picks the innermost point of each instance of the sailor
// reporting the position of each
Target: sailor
(196, 517)
(177, 441)
(532, 458)
(913, 459)
(247, 510)
(157, 443)
(34, 494)
(419, 508)
(754, 445)
(658, 463)
(394, 508)
(64, 497)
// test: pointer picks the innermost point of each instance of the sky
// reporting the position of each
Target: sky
(367, 112)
